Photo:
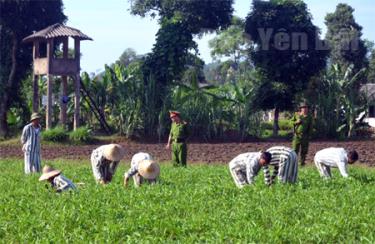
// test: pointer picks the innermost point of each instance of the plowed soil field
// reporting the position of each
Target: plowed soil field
(197, 152)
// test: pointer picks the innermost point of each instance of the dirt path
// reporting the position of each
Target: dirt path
(198, 152)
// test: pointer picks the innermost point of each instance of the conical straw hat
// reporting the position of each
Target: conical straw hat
(113, 152)
(48, 172)
(35, 116)
(149, 169)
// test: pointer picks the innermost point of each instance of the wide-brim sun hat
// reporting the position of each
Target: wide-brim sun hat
(113, 152)
(149, 169)
(303, 105)
(35, 116)
(48, 172)
(173, 114)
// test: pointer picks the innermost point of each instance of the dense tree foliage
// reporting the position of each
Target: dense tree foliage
(344, 36)
(371, 68)
(19, 19)
(128, 56)
(231, 42)
(286, 52)
(179, 22)
(267, 62)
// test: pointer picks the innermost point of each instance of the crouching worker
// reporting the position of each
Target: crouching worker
(143, 168)
(104, 162)
(246, 166)
(285, 162)
(58, 181)
(336, 158)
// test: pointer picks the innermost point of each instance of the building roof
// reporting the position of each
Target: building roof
(369, 91)
(57, 30)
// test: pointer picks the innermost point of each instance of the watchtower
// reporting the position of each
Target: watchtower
(48, 60)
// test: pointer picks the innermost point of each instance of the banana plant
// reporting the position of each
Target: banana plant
(340, 101)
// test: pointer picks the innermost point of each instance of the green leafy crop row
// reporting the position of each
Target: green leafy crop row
(197, 204)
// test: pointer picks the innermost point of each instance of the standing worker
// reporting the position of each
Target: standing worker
(30, 140)
(302, 128)
(177, 137)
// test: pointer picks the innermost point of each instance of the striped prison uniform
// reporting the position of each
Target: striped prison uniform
(331, 157)
(133, 171)
(30, 140)
(61, 183)
(245, 167)
(284, 160)
(102, 168)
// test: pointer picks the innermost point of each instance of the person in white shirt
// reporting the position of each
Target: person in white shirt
(334, 157)
(143, 168)
(246, 166)
(104, 162)
(58, 181)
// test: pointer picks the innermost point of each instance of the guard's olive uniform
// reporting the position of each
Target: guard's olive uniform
(301, 135)
(179, 134)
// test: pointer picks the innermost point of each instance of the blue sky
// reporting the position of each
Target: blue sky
(113, 29)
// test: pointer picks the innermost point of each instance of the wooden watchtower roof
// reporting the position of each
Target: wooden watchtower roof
(57, 30)
(45, 60)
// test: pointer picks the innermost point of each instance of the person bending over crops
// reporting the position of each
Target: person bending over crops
(143, 168)
(104, 162)
(246, 166)
(334, 157)
(58, 181)
(178, 136)
(30, 140)
(285, 163)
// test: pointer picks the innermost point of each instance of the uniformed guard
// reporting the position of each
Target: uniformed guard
(177, 137)
(302, 128)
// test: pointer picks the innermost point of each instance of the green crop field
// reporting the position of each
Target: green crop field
(197, 204)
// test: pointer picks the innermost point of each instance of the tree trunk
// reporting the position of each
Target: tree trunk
(49, 109)
(4, 101)
(76, 101)
(276, 122)
(35, 94)
(63, 105)
(3, 117)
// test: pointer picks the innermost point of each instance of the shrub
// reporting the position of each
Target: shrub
(267, 125)
(285, 134)
(81, 135)
(266, 134)
(57, 134)
(285, 124)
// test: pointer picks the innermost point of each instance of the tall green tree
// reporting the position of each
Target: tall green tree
(371, 68)
(344, 37)
(231, 42)
(179, 22)
(128, 56)
(19, 19)
(287, 53)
